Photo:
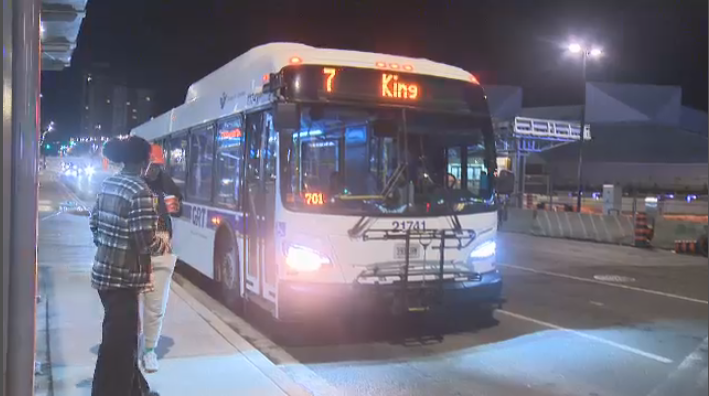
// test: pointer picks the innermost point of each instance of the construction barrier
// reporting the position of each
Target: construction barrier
(667, 231)
(614, 229)
(582, 226)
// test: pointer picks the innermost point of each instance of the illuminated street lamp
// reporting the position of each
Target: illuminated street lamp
(585, 52)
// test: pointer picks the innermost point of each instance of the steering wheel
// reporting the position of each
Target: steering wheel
(454, 181)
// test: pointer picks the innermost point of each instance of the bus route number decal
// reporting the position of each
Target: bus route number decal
(199, 216)
(408, 225)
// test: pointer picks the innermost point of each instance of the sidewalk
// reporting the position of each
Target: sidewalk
(200, 354)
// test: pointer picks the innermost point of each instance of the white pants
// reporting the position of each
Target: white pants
(154, 303)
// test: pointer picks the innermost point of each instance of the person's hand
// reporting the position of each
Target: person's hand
(173, 207)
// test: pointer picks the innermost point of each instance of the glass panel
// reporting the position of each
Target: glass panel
(359, 161)
(201, 162)
(177, 163)
(478, 181)
(230, 160)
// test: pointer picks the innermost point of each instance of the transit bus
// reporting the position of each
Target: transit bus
(327, 182)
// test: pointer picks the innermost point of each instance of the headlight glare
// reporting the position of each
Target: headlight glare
(484, 250)
(303, 259)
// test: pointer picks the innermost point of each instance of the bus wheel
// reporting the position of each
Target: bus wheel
(485, 317)
(226, 268)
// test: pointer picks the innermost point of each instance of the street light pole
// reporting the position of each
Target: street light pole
(584, 58)
(585, 53)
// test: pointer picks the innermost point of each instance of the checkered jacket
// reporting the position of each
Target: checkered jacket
(123, 222)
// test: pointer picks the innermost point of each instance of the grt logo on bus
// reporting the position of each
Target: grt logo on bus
(392, 87)
(199, 216)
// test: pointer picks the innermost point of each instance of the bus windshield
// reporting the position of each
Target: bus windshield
(388, 161)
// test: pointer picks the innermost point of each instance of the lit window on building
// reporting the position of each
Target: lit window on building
(147, 98)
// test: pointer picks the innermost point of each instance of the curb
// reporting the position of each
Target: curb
(44, 380)
(252, 355)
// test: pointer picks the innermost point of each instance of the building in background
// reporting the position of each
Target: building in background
(641, 138)
(109, 107)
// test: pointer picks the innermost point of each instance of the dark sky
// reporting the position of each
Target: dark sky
(168, 44)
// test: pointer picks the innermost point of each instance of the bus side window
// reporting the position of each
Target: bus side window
(253, 155)
(165, 144)
(270, 148)
(230, 162)
(201, 160)
(177, 160)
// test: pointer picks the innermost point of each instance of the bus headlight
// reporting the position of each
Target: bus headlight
(484, 251)
(302, 259)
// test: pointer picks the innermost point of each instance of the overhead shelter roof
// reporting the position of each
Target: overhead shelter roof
(61, 22)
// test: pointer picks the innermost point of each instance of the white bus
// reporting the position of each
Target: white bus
(324, 182)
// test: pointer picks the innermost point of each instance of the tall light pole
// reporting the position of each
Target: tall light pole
(585, 53)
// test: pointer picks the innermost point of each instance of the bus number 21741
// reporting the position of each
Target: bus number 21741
(408, 225)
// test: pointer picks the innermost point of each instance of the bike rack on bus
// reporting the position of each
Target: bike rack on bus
(463, 237)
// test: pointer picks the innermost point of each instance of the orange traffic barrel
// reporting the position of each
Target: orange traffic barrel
(698, 247)
(643, 233)
(685, 247)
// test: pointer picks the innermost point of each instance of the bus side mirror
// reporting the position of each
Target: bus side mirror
(286, 116)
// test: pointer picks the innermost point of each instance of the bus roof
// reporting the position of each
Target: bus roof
(225, 91)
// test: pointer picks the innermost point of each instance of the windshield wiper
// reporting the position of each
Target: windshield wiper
(457, 228)
(398, 172)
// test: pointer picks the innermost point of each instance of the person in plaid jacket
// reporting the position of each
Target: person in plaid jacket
(124, 227)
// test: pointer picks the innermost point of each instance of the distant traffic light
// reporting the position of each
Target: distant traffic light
(49, 146)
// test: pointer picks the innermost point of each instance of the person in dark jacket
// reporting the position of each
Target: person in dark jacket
(124, 227)
(155, 301)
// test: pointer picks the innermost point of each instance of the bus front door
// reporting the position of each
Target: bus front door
(261, 274)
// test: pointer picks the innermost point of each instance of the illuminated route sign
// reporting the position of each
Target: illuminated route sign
(393, 87)
(350, 84)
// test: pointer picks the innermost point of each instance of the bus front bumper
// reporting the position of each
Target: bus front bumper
(301, 300)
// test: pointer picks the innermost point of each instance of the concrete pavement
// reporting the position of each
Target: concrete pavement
(200, 354)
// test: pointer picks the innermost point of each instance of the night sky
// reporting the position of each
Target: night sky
(167, 45)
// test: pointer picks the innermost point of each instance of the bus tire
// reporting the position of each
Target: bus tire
(485, 317)
(226, 268)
